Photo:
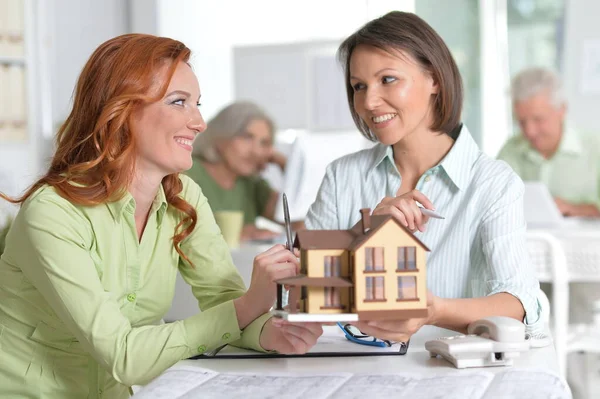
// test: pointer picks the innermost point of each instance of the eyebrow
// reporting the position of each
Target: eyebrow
(185, 93)
(376, 73)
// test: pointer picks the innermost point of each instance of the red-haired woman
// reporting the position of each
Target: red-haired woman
(91, 259)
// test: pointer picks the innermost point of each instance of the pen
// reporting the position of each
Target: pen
(288, 223)
(430, 213)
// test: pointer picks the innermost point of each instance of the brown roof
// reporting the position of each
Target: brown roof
(324, 239)
(302, 280)
(377, 221)
(345, 239)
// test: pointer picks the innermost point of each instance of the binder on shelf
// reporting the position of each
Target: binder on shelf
(12, 42)
(13, 103)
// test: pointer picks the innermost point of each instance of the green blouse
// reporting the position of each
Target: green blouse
(81, 298)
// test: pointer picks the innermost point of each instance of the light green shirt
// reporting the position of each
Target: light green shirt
(250, 194)
(3, 231)
(80, 296)
(573, 172)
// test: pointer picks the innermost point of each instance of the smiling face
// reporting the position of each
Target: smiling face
(392, 93)
(248, 152)
(165, 130)
(541, 122)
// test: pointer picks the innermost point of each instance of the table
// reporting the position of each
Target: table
(439, 376)
(559, 255)
(416, 360)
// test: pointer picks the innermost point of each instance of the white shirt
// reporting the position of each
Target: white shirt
(479, 248)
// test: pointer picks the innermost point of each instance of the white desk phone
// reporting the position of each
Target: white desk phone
(492, 341)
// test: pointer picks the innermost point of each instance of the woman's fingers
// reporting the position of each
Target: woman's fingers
(272, 250)
(277, 257)
(302, 336)
(380, 333)
(422, 199)
(280, 271)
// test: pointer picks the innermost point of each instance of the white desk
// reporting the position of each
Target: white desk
(416, 360)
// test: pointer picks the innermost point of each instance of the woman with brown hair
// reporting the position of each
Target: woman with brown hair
(405, 93)
(91, 258)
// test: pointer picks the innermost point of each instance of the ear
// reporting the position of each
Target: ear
(434, 85)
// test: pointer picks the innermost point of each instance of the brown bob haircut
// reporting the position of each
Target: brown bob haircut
(411, 35)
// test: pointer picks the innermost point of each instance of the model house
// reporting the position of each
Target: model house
(375, 270)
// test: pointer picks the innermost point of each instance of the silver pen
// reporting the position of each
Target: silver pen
(288, 224)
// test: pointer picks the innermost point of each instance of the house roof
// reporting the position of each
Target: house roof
(346, 239)
(303, 280)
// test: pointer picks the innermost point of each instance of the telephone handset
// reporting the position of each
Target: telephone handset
(492, 341)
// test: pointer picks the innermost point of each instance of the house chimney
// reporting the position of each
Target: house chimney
(366, 219)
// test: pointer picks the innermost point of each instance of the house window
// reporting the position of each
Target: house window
(407, 288)
(375, 289)
(332, 297)
(333, 266)
(407, 258)
(374, 259)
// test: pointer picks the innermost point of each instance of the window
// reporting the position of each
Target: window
(407, 288)
(407, 258)
(332, 297)
(375, 289)
(374, 259)
(333, 266)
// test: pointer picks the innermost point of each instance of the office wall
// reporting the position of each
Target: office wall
(68, 32)
(78, 28)
(211, 29)
(581, 25)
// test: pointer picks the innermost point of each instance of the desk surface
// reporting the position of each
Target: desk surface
(417, 360)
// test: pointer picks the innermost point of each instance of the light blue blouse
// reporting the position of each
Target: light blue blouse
(479, 248)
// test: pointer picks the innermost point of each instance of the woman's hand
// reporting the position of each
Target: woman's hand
(564, 207)
(289, 338)
(272, 156)
(272, 265)
(404, 209)
(401, 329)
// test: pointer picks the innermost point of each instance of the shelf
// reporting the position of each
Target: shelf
(7, 60)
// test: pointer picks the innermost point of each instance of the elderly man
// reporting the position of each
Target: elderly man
(549, 151)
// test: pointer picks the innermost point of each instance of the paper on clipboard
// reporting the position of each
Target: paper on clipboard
(332, 343)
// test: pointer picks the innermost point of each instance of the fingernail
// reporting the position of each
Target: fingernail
(277, 322)
(372, 323)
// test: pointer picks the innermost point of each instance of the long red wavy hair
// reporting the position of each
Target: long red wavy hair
(95, 154)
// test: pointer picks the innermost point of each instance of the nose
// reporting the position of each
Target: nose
(372, 99)
(196, 122)
(529, 130)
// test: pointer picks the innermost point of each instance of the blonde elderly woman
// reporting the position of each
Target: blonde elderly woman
(228, 156)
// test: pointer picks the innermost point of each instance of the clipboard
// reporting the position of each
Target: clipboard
(332, 343)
